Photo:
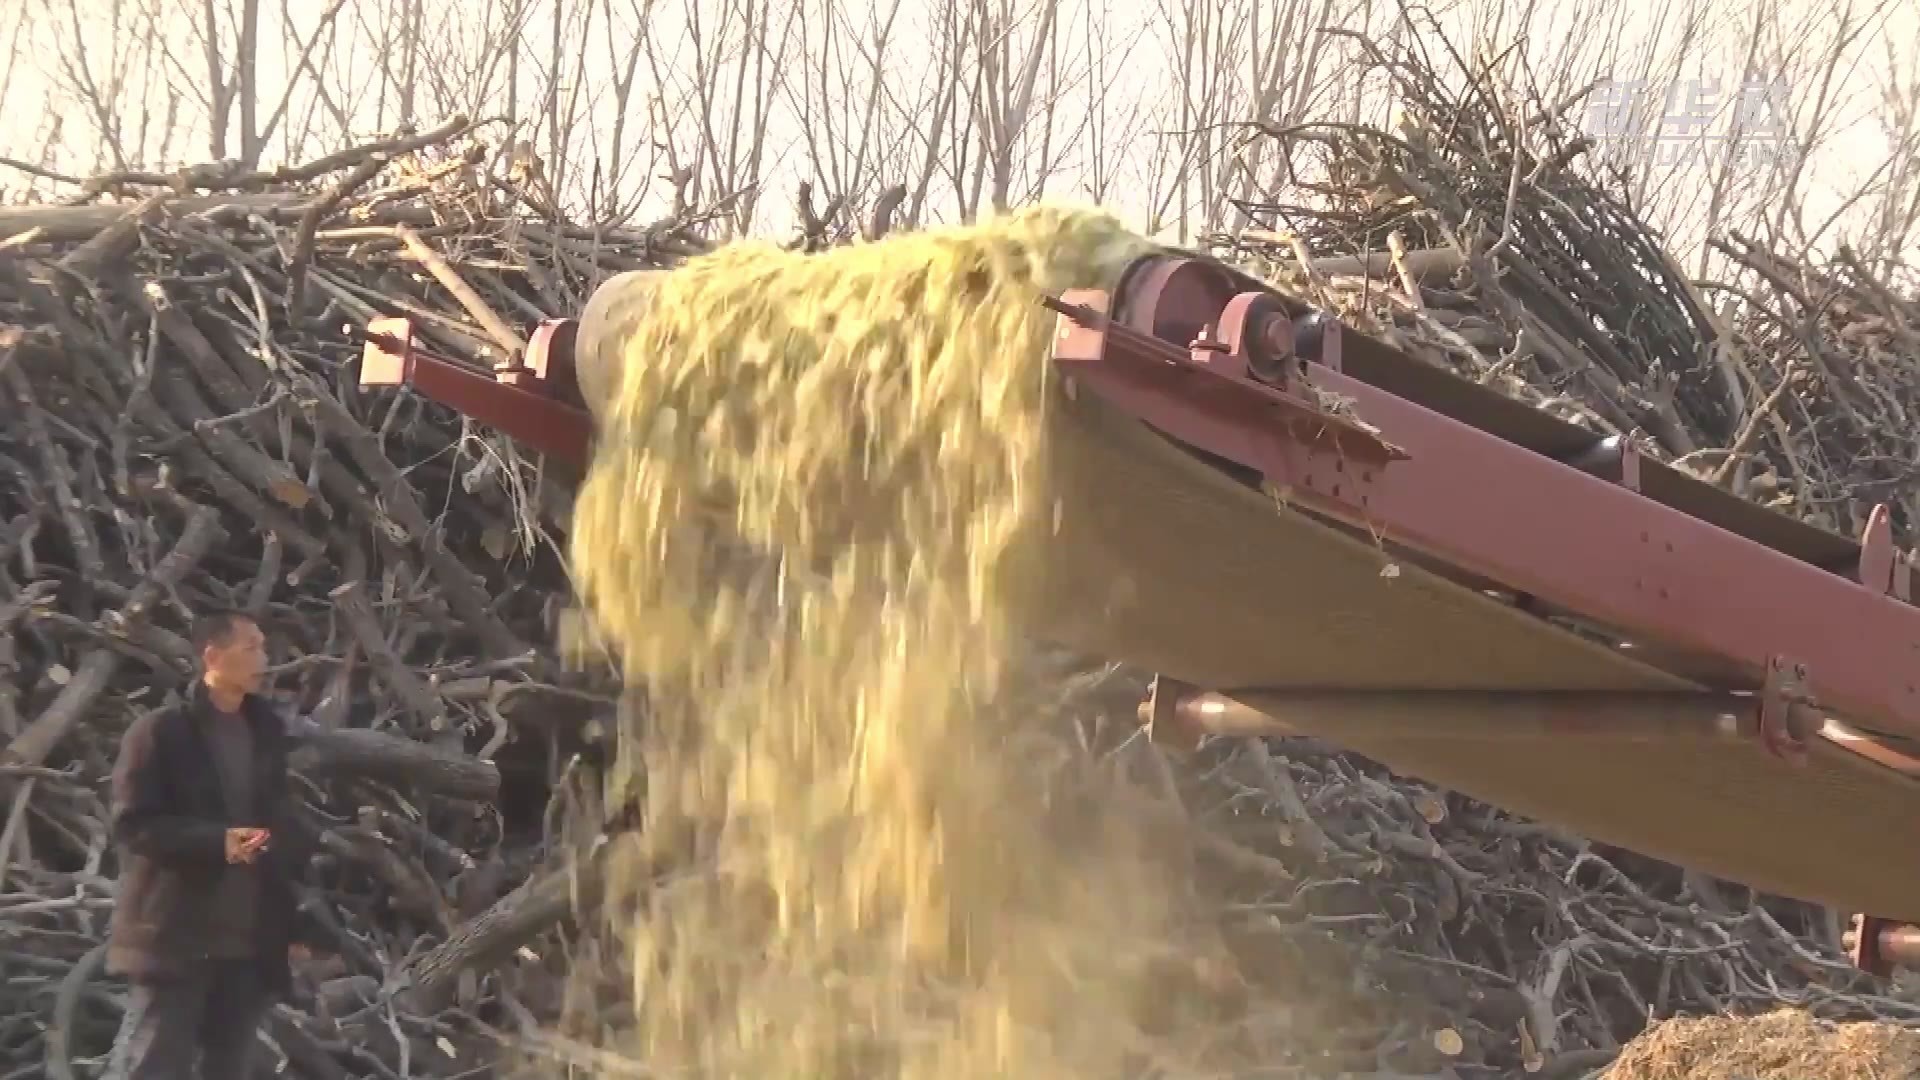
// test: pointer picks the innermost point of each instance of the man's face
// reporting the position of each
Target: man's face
(240, 661)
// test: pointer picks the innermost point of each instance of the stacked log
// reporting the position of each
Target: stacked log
(178, 356)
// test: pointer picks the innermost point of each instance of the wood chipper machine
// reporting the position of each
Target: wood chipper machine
(1307, 532)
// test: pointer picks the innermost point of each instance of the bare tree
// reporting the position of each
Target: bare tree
(1015, 48)
(625, 47)
(946, 111)
(1895, 232)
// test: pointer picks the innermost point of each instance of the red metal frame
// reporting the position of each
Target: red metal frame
(1795, 632)
(1618, 558)
(1658, 577)
(1221, 363)
(533, 399)
(1252, 386)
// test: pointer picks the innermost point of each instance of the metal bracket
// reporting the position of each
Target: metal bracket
(1160, 714)
(1782, 696)
(518, 398)
(1877, 946)
(1883, 568)
(1208, 396)
(1876, 551)
(1862, 941)
(1614, 459)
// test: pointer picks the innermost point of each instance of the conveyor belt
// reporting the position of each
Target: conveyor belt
(1169, 564)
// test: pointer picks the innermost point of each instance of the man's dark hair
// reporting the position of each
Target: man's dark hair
(217, 628)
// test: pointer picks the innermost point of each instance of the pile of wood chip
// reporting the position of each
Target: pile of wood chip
(1788, 1044)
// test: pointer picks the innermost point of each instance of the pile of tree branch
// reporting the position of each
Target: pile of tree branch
(1475, 236)
(185, 432)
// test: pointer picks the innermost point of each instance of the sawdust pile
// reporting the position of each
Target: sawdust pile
(803, 532)
(1785, 1045)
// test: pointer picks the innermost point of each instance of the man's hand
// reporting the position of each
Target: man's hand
(245, 845)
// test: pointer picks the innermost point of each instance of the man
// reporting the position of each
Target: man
(204, 924)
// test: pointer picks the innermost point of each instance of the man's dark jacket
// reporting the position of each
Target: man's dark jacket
(170, 820)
